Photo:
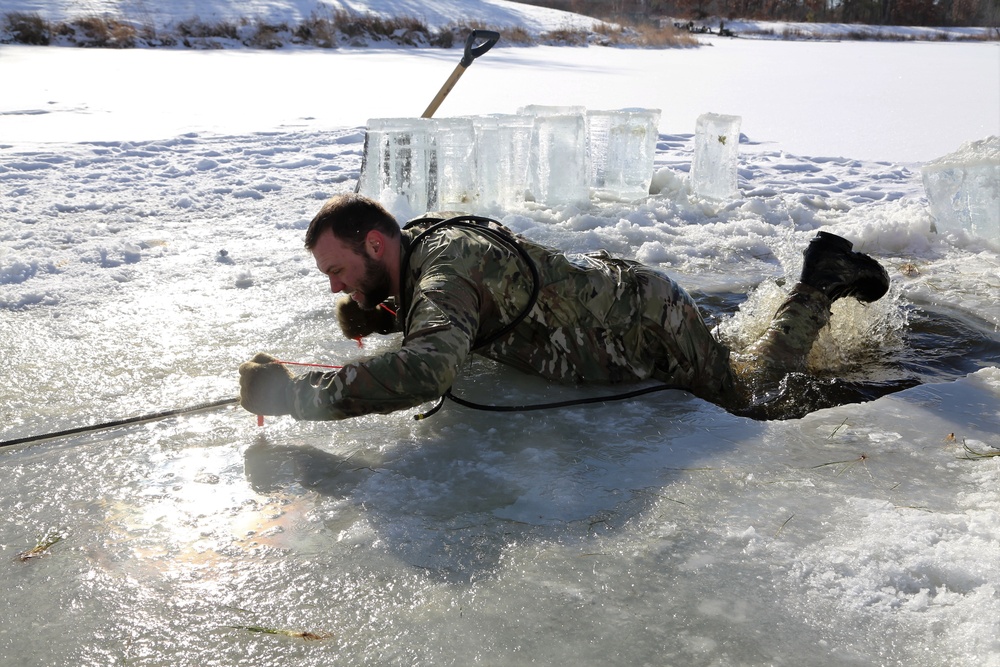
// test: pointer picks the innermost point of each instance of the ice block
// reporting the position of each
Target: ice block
(963, 189)
(452, 177)
(503, 150)
(621, 145)
(558, 169)
(716, 156)
(399, 154)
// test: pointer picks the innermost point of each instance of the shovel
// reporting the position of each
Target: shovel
(472, 51)
(486, 39)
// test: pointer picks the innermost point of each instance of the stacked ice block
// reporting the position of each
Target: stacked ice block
(399, 153)
(503, 159)
(453, 179)
(963, 189)
(481, 164)
(558, 158)
(620, 150)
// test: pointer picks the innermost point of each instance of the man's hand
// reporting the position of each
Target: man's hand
(262, 386)
(356, 322)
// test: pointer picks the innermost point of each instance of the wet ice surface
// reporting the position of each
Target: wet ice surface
(698, 536)
(137, 276)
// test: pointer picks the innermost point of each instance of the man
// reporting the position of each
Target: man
(469, 285)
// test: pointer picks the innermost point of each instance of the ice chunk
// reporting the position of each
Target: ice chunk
(621, 145)
(452, 173)
(963, 189)
(558, 170)
(536, 110)
(488, 153)
(716, 156)
(399, 153)
(503, 152)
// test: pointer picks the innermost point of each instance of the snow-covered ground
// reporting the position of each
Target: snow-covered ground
(497, 14)
(152, 204)
(433, 13)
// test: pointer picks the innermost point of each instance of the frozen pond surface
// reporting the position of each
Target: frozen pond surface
(669, 533)
(656, 531)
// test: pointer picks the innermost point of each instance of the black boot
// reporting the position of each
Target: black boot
(832, 267)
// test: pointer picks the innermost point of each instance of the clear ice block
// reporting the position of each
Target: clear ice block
(716, 156)
(558, 170)
(621, 145)
(399, 154)
(963, 189)
(503, 153)
(453, 185)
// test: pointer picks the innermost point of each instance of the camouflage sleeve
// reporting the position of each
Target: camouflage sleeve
(443, 320)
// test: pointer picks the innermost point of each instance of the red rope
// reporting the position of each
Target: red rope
(260, 418)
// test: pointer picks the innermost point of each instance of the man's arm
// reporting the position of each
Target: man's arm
(443, 321)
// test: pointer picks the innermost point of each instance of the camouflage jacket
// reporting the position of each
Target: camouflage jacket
(460, 287)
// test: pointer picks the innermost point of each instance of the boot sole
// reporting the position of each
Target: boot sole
(864, 289)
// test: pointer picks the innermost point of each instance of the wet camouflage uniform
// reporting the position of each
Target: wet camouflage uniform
(596, 320)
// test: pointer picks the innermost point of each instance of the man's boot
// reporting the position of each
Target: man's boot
(831, 270)
(832, 267)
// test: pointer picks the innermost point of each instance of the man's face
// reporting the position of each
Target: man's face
(359, 275)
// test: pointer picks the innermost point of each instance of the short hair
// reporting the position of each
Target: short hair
(350, 217)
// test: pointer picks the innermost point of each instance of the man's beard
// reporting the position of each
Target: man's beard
(375, 285)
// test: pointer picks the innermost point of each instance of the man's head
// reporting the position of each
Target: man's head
(355, 243)
(350, 217)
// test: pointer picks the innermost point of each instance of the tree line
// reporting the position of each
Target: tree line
(932, 13)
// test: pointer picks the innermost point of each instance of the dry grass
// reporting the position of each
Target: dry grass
(323, 30)
(42, 547)
(565, 37)
(29, 29)
(268, 36)
(401, 30)
(197, 29)
(647, 36)
(104, 32)
(971, 454)
(516, 35)
(298, 634)
(455, 34)
(333, 28)
(316, 31)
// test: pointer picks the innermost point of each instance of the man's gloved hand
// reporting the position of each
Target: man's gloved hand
(262, 386)
(356, 322)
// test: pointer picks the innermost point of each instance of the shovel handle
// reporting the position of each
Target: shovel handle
(473, 50)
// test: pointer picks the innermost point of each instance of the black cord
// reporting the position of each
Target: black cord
(501, 235)
(121, 422)
(545, 406)
(481, 225)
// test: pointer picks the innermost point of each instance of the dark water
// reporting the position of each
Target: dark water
(939, 344)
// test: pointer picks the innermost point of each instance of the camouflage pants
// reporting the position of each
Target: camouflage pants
(686, 353)
(783, 348)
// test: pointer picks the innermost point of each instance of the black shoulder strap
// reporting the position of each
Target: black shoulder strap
(481, 225)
